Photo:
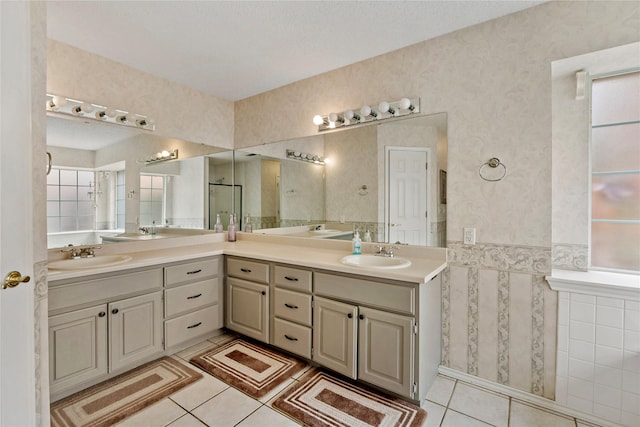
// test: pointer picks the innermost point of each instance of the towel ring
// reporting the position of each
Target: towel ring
(493, 163)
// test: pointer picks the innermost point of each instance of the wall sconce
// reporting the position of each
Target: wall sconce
(306, 157)
(385, 110)
(162, 156)
(62, 105)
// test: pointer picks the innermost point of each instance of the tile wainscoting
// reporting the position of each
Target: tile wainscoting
(499, 315)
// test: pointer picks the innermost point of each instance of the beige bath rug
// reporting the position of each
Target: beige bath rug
(320, 399)
(251, 368)
(113, 400)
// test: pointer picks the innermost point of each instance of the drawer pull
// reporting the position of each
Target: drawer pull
(290, 338)
(114, 311)
(245, 270)
(102, 314)
(194, 326)
(291, 306)
(291, 279)
(194, 296)
(194, 271)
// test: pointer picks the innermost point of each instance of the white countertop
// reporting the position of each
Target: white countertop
(426, 263)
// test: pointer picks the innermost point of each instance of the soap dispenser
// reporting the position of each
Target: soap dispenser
(357, 244)
(231, 230)
(367, 235)
(153, 228)
(248, 227)
(218, 227)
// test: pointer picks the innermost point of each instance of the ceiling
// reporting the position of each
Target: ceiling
(237, 49)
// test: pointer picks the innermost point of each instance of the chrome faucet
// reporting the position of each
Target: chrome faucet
(386, 251)
(144, 230)
(77, 252)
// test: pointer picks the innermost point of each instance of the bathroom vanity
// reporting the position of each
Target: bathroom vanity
(377, 325)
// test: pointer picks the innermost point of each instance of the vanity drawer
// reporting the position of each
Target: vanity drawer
(293, 306)
(192, 325)
(292, 337)
(386, 296)
(190, 271)
(189, 297)
(292, 278)
(248, 270)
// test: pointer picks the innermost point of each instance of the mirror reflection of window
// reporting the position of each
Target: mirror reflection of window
(152, 197)
(70, 200)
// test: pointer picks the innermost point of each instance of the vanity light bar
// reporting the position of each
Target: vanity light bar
(162, 156)
(305, 157)
(384, 110)
(62, 105)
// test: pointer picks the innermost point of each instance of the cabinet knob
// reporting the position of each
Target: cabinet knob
(361, 317)
(350, 315)
(115, 311)
(263, 292)
(102, 314)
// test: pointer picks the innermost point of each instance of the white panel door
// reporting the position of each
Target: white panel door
(17, 337)
(407, 199)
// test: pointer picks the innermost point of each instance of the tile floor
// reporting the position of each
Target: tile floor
(450, 403)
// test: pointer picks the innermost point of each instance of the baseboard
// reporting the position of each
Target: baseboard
(525, 397)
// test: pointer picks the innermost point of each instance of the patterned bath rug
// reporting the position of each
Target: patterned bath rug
(320, 399)
(251, 368)
(113, 400)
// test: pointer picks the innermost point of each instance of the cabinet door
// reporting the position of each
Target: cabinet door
(135, 329)
(247, 308)
(77, 347)
(334, 333)
(386, 350)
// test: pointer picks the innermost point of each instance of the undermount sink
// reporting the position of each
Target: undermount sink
(326, 230)
(373, 261)
(85, 263)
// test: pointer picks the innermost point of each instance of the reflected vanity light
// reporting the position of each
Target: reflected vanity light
(385, 110)
(57, 104)
(162, 156)
(307, 157)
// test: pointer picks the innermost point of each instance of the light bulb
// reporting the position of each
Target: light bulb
(86, 107)
(165, 153)
(385, 108)
(327, 160)
(332, 125)
(131, 117)
(60, 101)
(158, 155)
(366, 111)
(350, 115)
(405, 104)
(318, 120)
(101, 115)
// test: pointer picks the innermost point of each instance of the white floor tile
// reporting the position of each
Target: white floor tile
(456, 419)
(441, 389)
(527, 416)
(187, 420)
(158, 415)
(435, 413)
(189, 352)
(199, 392)
(226, 409)
(266, 416)
(480, 404)
(267, 397)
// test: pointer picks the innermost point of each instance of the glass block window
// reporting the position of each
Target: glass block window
(70, 203)
(615, 172)
(152, 197)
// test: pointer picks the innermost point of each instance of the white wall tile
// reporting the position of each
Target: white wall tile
(582, 350)
(608, 396)
(584, 331)
(562, 384)
(589, 299)
(610, 316)
(582, 311)
(632, 341)
(607, 412)
(581, 369)
(609, 356)
(563, 296)
(629, 419)
(631, 402)
(563, 311)
(632, 320)
(631, 361)
(562, 369)
(563, 337)
(608, 376)
(631, 382)
(610, 302)
(632, 305)
(584, 405)
(611, 337)
(580, 388)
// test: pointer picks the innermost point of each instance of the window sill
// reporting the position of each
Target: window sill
(598, 283)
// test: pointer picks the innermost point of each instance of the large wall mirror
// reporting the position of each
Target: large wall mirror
(387, 181)
(100, 186)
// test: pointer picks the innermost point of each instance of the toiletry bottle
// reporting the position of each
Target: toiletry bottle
(367, 235)
(218, 227)
(231, 230)
(248, 227)
(153, 228)
(357, 243)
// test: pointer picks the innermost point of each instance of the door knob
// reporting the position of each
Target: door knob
(13, 279)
